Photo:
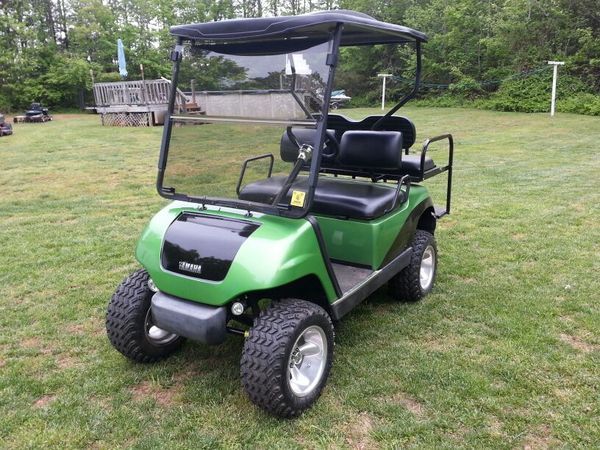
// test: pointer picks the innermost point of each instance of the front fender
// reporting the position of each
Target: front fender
(280, 251)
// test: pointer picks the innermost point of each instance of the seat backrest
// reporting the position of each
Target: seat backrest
(371, 151)
(362, 153)
(341, 124)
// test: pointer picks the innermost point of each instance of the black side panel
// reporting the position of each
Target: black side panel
(317, 229)
(407, 231)
(202, 246)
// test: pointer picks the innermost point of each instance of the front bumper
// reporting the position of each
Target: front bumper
(203, 323)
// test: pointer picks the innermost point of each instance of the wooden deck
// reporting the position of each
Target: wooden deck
(126, 93)
(138, 103)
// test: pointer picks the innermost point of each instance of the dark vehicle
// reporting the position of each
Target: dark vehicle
(338, 99)
(37, 113)
(325, 211)
(5, 127)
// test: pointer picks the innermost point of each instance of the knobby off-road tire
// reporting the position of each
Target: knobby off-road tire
(416, 280)
(281, 347)
(129, 322)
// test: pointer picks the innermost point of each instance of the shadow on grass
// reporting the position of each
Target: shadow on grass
(221, 363)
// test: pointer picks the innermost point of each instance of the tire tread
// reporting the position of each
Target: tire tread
(406, 285)
(265, 351)
(125, 317)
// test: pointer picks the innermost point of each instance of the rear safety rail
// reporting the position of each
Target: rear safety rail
(245, 165)
(439, 212)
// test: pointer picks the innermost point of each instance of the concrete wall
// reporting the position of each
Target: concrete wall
(256, 104)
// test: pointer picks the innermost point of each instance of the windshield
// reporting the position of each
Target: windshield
(231, 108)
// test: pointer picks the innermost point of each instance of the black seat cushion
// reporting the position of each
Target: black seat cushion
(411, 165)
(333, 196)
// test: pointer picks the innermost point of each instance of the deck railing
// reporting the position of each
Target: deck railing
(147, 92)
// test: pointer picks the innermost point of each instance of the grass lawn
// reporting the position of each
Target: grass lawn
(504, 354)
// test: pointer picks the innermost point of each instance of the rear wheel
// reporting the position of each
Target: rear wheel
(416, 280)
(129, 323)
(287, 357)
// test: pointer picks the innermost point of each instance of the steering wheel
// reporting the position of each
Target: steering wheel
(330, 145)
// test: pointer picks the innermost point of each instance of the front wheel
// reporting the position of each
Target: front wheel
(416, 280)
(129, 323)
(287, 357)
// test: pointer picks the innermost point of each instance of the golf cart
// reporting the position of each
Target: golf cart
(283, 217)
(5, 127)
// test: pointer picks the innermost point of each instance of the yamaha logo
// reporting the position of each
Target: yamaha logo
(189, 267)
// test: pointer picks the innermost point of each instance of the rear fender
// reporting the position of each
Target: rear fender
(419, 216)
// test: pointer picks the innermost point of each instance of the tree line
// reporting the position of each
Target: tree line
(48, 47)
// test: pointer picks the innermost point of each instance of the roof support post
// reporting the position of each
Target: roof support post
(332, 60)
(176, 56)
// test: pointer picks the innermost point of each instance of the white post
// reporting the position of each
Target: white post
(383, 76)
(383, 95)
(554, 79)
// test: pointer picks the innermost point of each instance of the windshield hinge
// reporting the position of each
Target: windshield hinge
(332, 59)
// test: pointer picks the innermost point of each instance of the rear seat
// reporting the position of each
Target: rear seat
(411, 165)
(371, 151)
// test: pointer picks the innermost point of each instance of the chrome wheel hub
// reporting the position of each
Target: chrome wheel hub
(427, 268)
(156, 335)
(307, 361)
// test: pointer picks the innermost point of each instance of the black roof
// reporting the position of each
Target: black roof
(293, 33)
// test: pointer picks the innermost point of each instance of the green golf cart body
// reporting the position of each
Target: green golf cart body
(306, 235)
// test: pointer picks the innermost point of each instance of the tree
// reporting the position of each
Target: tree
(469, 41)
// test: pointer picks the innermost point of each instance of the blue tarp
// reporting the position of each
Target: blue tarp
(121, 57)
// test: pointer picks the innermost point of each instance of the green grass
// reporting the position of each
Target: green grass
(505, 353)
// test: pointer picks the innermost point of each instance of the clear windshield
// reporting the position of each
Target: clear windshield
(231, 108)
